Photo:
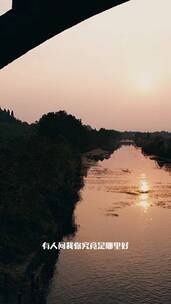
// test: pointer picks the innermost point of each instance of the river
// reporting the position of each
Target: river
(126, 198)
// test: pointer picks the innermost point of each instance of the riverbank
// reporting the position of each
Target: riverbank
(156, 145)
(31, 276)
(90, 157)
(42, 171)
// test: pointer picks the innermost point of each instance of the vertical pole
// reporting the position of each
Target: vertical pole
(5, 282)
(19, 297)
(6, 288)
(33, 287)
(32, 280)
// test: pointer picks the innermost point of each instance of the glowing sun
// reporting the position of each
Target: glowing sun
(144, 81)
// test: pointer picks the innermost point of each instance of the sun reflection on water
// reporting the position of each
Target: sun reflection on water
(144, 185)
(144, 201)
(144, 189)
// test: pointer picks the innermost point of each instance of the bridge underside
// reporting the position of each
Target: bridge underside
(28, 25)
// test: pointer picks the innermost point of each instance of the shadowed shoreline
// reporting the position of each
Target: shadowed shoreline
(42, 172)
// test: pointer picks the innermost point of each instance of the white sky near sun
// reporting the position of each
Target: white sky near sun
(113, 70)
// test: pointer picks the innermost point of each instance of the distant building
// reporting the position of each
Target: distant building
(127, 142)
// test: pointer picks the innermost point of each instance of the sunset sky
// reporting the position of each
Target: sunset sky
(113, 70)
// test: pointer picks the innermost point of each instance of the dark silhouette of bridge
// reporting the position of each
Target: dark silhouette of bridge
(31, 22)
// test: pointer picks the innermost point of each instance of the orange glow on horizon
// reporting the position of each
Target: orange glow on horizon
(112, 71)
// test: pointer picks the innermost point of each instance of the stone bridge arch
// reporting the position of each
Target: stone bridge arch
(31, 22)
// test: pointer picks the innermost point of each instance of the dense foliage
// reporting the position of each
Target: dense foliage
(40, 177)
(158, 143)
(80, 136)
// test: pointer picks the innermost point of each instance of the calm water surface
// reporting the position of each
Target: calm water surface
(125, 198)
